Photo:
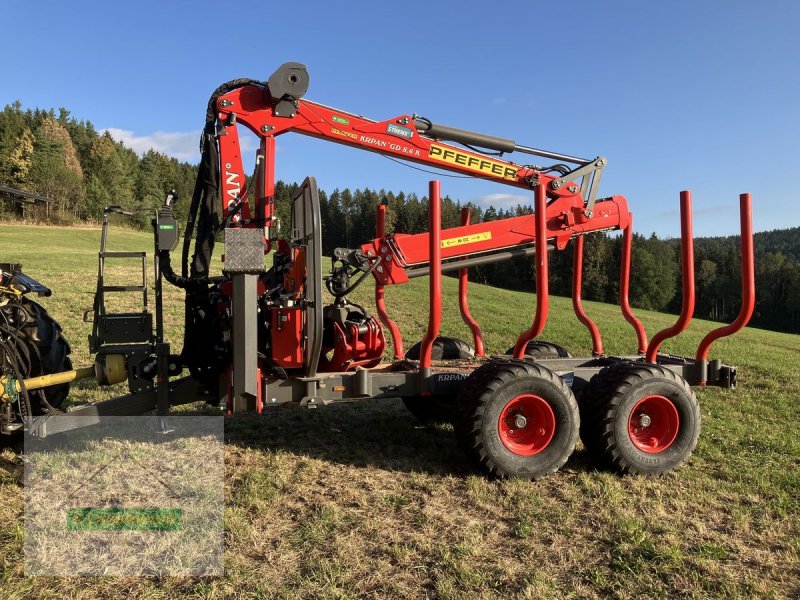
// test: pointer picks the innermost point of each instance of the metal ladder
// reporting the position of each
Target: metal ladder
(121, 328)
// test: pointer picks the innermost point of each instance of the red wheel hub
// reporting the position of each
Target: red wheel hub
(653, 424)
(526, 425)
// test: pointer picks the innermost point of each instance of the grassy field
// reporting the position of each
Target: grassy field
(362, 501)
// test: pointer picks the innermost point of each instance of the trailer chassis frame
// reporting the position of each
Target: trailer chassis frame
(406, 378)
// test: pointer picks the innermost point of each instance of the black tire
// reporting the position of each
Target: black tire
(493, 390)
(444, 348)
(591, 404)
(41, 349)
(541, 349)
(437, 409)
(614, 405)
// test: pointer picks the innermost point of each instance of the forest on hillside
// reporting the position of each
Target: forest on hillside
(82, 170)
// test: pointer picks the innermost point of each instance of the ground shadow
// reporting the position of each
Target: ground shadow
(380, 433)
(11, 466)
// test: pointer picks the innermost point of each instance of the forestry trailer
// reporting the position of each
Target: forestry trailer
(258, 336)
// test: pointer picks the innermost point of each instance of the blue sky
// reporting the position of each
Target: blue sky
(702, 95)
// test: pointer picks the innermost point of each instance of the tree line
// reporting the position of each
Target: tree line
(83, 170)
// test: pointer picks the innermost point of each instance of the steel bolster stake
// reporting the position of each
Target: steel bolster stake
(435, 287)
(463, 302)
(748, 288)
(542, 289)
(577, 304)
(687, 266)
(625, 284)
(380, 304)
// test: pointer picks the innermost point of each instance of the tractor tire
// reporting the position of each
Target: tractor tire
(437, 409)
(639, 418)
(541, 349)
(41, 349)
(518, 419)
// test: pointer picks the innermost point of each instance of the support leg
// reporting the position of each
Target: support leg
(625, 284)
(542, 283)
(435, 289)
(463, 302)
(245, 346)
(577, 304)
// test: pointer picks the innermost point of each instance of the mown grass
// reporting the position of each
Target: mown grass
(355, 501)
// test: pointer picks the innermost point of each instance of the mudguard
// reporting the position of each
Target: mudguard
(11, 276)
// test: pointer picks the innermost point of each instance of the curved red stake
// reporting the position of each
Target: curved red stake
(577, 304)
(687, 264)
(748, 282)
(625, 284)
(542, 289)
(380, 304)
(463, 303)
(435, 289)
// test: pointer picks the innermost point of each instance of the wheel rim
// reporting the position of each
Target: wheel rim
(527, 425)
(653, 424)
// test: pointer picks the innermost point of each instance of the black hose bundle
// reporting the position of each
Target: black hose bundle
(204, 209)
(203, 349)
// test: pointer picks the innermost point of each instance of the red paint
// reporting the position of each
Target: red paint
(661, 428)
(355, 347)
(748, 281)
(286, 327)
(260, 392)
(380, 303)
(231, 175)
(538, 428)
(265, 202)
(409, 251)
(294, 277)
(625, 284)
(253, 108)
(577, 304)
(542, 289)
(687, 266)
(463, 302)
(435, 279)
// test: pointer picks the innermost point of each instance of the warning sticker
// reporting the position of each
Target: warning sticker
(473, 163)
(467, 239)
(349, 134)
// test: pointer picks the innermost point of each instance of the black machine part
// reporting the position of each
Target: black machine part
(11, 275)
(492, 142)
(345, 263)
(166, 225)
(288, 82)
